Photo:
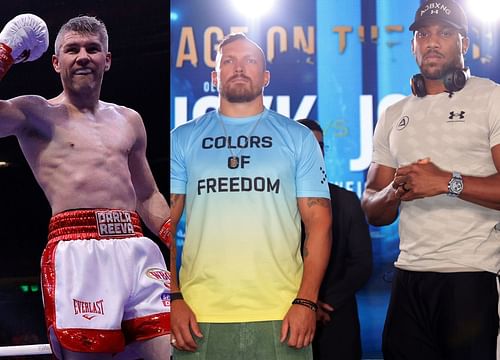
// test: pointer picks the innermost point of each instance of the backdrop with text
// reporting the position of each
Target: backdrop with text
(340, 62)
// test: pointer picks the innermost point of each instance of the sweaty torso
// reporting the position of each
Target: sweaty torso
(80, 158)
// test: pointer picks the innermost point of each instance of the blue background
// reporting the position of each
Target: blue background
(371, 67)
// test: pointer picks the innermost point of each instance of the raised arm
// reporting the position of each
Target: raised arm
(24, 38)
(12, 117)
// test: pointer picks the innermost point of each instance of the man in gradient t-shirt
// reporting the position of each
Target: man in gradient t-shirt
(246, 176)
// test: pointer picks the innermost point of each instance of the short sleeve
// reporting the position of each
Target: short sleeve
(311, 178)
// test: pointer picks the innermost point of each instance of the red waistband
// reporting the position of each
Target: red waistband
(94, 224)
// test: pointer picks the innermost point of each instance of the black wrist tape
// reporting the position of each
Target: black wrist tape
(307, 303)
(176, 296)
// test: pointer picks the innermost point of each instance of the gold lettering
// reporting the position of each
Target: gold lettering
(210, 48)
(374, 33)
(342, 30)
(361, 33)
(187, 48)
(282, 38)
(300, 41)
(394, 28)
(476, 51)
(304, 39)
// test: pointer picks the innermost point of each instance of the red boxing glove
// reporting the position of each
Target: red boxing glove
(6, 59)
(165, 233)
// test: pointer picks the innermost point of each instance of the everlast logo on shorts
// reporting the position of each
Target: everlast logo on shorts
(88, 309)
(160, 275)
(114, 223)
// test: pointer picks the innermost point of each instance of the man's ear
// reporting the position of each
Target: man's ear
(465, 45)
(213, 74)
(267, 78)
(107, 66)
(55, 63)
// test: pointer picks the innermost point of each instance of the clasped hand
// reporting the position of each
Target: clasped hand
(419, 179)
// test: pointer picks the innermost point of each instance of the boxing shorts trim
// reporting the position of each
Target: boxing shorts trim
(146, 327)
(90, 341)
(138, 329)
(96, 224)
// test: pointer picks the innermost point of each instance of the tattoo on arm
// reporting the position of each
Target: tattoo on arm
(308, 208)
(310, 203)
(318, 201)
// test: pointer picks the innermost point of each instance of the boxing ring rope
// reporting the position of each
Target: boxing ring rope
(21, 350)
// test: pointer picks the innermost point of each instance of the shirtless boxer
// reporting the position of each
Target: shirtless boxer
(104, 284)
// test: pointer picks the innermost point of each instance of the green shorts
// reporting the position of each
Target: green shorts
(243, 341)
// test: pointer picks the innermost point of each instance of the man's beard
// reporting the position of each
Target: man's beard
(240, 94)
(433, 73)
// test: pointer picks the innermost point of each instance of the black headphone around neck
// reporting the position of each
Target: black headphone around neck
(454, 80)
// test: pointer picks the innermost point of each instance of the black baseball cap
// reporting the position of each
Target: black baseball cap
(447, 11)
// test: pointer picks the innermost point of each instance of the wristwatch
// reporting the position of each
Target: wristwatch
(455, 185)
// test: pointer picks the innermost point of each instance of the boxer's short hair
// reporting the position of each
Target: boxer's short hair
(86, 25)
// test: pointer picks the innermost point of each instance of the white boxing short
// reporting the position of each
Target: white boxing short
(104, 284)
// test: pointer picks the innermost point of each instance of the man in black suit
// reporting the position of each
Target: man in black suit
(350, 266)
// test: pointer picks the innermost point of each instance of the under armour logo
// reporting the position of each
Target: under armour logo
(459, 115)
(405, 120)
(434, 12)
